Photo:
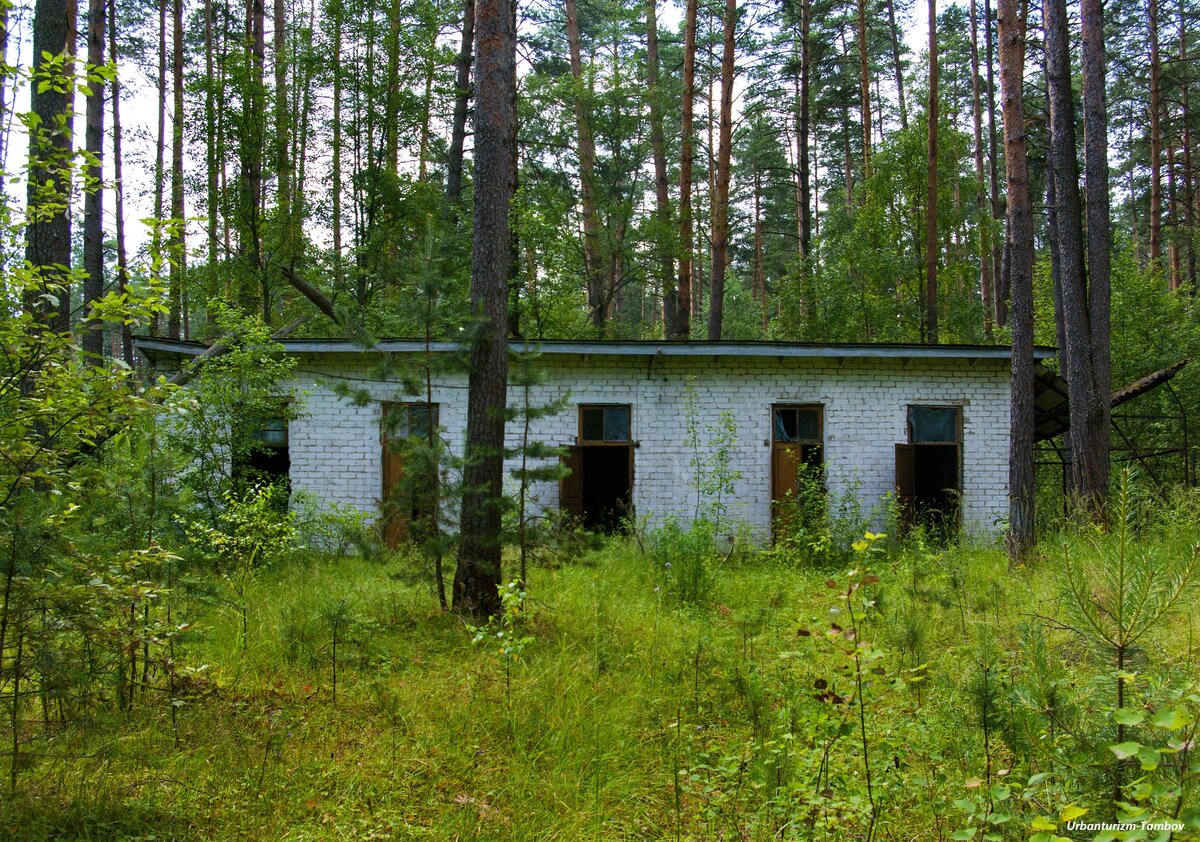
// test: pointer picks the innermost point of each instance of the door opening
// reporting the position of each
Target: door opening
(797, 456)
(406, 499)
(599, 488)
(929, 469)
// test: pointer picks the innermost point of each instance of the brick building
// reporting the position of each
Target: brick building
(929, 423)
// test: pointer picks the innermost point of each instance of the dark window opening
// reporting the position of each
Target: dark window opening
(929, 469)
(797, 459)
(406, 497)
(265, 460)
(599, 488)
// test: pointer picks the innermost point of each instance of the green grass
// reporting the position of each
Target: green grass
(629, 716)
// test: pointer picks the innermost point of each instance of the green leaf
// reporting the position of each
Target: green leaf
(968, 833)
(1070, 812)
(1149, 758)
(1172, 719)
(1125, 716)
(1043, 823)
(1125, 750)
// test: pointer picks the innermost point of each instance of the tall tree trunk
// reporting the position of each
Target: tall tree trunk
(462, 98)
(160, 169)
(687, 152)
(176, 245)
(1097, 415)
(864, 88)
(212, 168)
(252, 142)
(598, 295)
(1088, 474)
(1155, 138)
(119, 183)
(336, 165)
(283, 162)
(1019, 248)
(392, 115)
(981, 199)
(427, 106)
(1000, 287)
(896, 66)
(673, 320)
(5, 125)
(760, 277)
(93, 200)
(931, 237)
(1175, 267)
(1185, 138)
(48, 233)
(803, 128)
(720, 209)
(478, 574)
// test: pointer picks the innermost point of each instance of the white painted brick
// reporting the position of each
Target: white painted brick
(336, 453)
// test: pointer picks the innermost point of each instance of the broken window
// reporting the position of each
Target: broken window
(797, 456)
(264, 460)
(599, 488)
(406, 498)
(929, 468)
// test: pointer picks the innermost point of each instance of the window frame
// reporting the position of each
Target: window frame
(585, 442)
(818, 441)
(958, 424)
(388, 436)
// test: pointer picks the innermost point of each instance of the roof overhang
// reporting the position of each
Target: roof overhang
(155, 348)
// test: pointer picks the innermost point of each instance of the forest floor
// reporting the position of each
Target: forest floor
(354, 709)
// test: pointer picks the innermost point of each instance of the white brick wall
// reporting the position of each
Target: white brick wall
(336, 452)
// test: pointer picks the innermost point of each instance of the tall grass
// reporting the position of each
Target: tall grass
(632, 713)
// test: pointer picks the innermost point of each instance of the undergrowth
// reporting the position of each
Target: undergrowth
(919, 693)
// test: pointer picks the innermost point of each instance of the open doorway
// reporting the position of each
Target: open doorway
(599, 488)
(405, 500)
(929, 468)
(797, 457)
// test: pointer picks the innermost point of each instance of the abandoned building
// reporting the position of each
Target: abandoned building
(928, 423)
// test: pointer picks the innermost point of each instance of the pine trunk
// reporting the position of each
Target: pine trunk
(803, 129)
(1097, 419)
(896, 66)
(931, 233)
(598, 295)
(462, 98)
(336, 12)
(999, 304)
(1088, 464)
(176, 246)
(720, 209)
(688, 105)
(864, 88)
(119, 184)
(478, 574)
(1155, 138)
(93, 200)
(673, 321)
(981, 199)
(283, 161)
(48, 234)
(160, 168)
(1019, 248)
(1185, 138)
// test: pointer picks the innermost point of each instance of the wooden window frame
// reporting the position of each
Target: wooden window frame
(819, 440)
(958, 424)
(580, 441)
(385, 436)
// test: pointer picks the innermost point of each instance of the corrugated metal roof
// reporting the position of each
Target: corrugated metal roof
(154, 347)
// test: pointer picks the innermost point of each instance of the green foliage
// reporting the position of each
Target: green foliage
(213, 423)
